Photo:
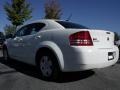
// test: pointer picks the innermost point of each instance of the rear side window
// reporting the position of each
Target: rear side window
(71, 25)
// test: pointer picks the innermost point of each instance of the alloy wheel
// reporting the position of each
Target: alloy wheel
(46, 66)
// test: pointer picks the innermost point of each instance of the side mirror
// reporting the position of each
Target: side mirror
(9, 36)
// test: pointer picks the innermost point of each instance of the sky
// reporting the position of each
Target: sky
(96, 14)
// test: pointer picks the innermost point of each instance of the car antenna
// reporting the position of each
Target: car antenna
(68, 19)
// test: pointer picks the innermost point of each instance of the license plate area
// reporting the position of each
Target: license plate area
(111, 55)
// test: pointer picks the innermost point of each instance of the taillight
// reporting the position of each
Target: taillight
(81, 38)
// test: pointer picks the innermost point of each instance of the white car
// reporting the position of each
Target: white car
(55, 45)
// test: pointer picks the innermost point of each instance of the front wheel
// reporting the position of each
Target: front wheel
(48, 66)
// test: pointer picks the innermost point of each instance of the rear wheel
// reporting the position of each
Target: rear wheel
(48, 66)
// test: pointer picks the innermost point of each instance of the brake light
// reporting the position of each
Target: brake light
(81, 38)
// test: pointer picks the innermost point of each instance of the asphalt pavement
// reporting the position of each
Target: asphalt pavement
(19, 76)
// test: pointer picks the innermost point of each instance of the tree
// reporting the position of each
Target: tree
(18, 11)
(9, 29)
(52, 10)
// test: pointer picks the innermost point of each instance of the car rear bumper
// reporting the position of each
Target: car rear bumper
(89, 58)
(82, 67)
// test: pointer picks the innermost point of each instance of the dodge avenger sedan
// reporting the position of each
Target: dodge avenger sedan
(56, 46)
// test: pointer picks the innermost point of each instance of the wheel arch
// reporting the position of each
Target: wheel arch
(54, 49)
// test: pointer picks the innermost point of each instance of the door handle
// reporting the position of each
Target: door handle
(18, 39)
(37, 37)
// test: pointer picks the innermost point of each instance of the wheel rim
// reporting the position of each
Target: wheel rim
(46, 66)
(5, 54)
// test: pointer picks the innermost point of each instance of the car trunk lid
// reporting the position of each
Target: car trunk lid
(102, 39)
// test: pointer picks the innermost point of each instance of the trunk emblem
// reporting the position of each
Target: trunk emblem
(95, 40)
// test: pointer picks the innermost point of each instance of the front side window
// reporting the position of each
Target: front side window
(30, 29)
(36, 27)
(66, 24)
(22, 32)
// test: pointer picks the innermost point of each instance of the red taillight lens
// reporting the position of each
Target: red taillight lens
(81, 38)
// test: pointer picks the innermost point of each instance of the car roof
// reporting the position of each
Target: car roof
(49, 23)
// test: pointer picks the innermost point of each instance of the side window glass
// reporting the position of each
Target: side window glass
(36, 27)
(33, 30)
(23, 31)
(30, 29)
(27, 31)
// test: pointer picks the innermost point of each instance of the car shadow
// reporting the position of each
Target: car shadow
(118, 62)
(75, 76)
(32, 71)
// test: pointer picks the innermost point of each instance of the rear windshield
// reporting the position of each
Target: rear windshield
(66, 24)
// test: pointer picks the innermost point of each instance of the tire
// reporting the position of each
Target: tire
(48, 66)
(5, 54)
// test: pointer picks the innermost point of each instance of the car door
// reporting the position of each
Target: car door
(29, 41)
(17, 43)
